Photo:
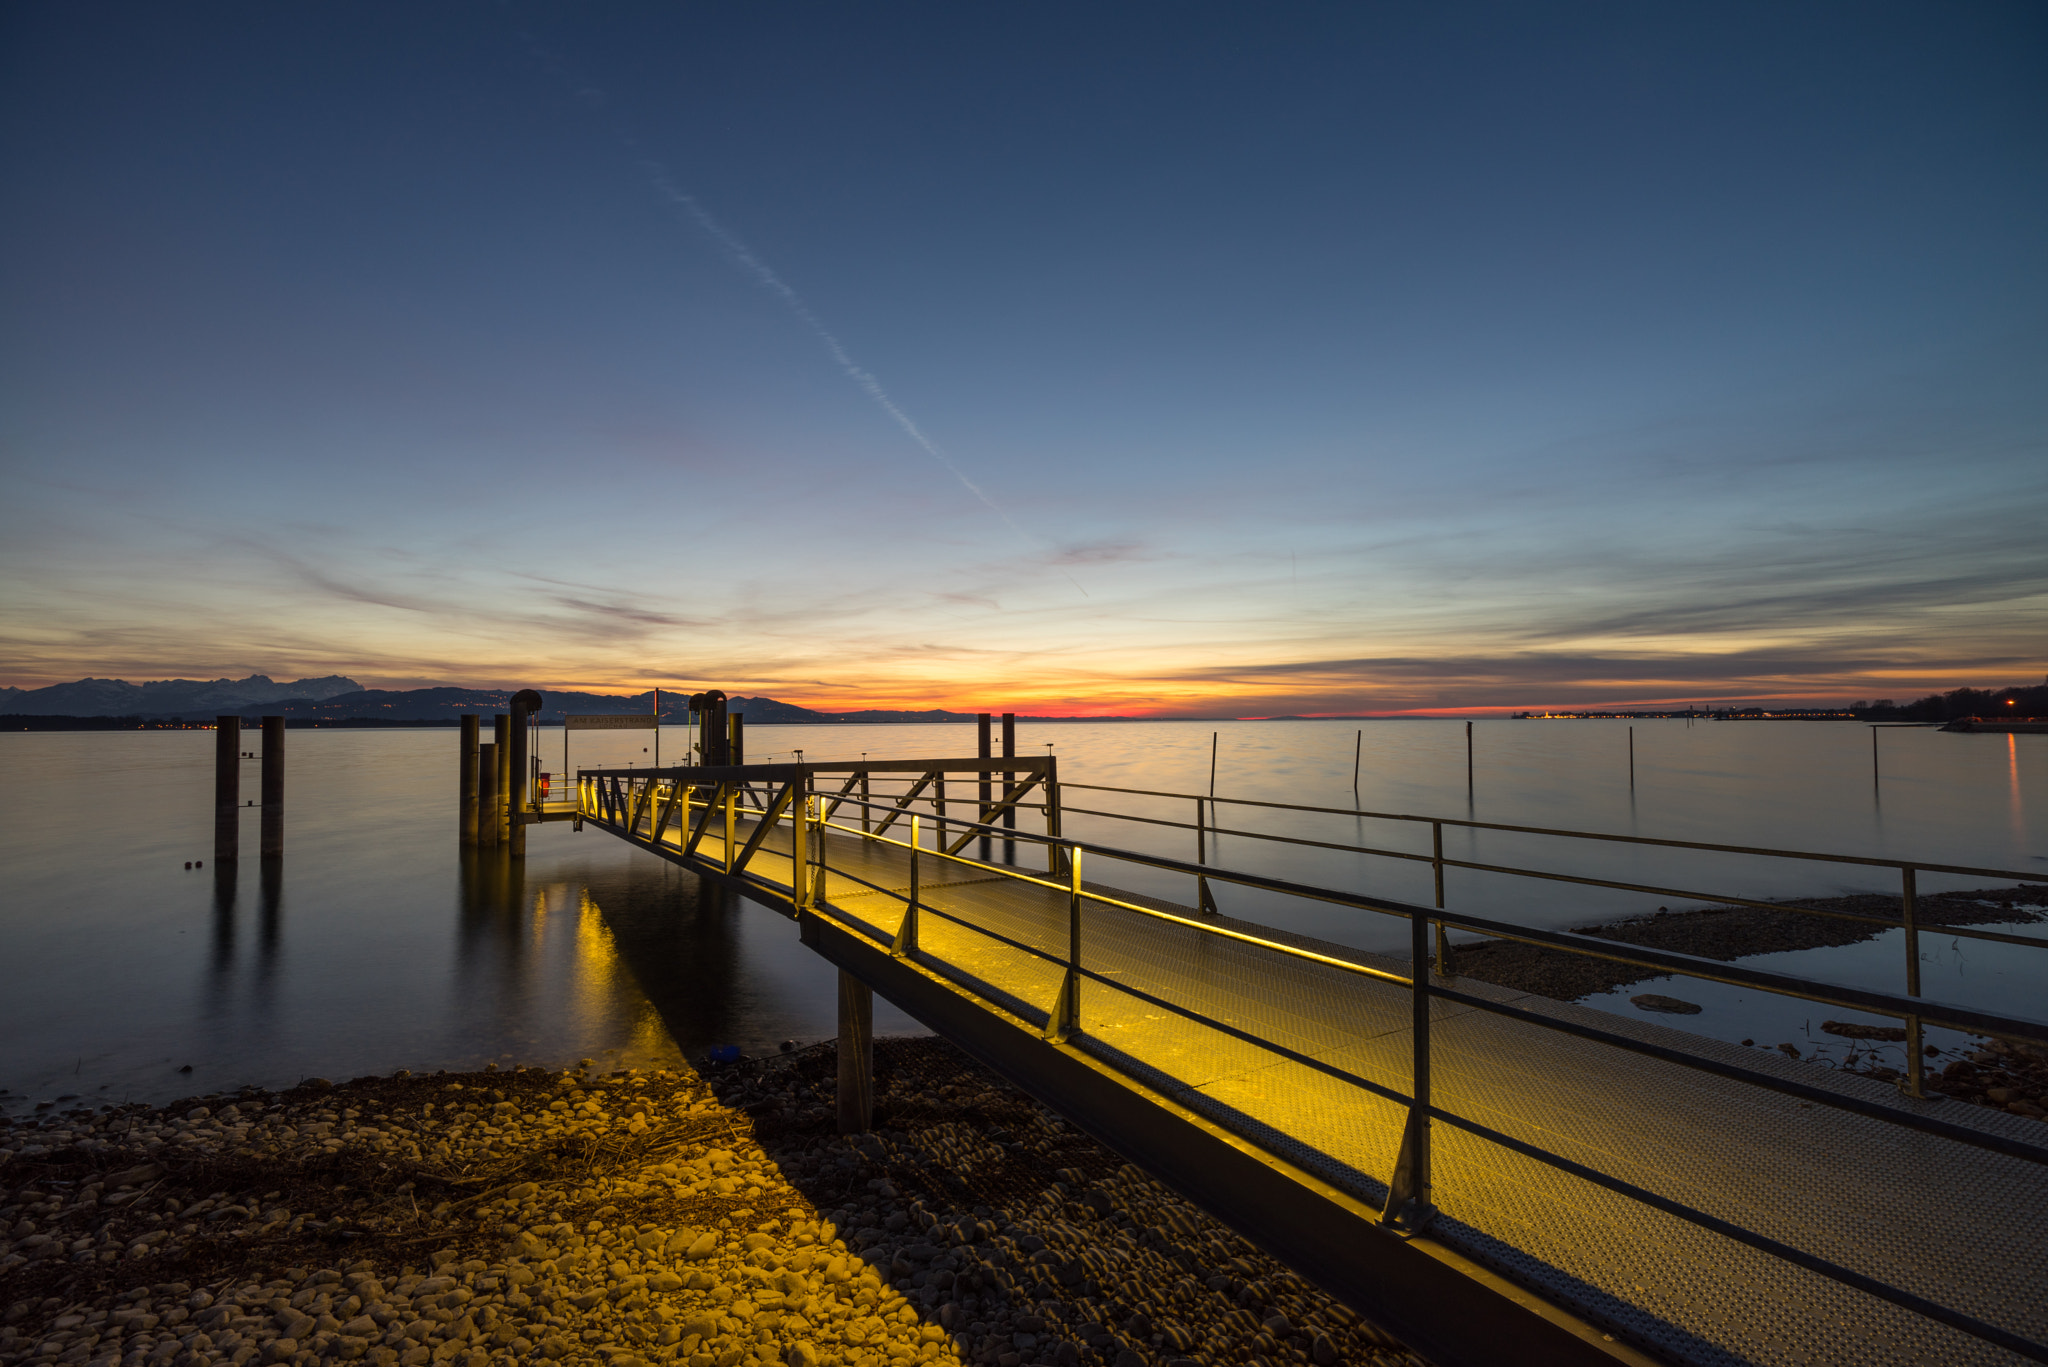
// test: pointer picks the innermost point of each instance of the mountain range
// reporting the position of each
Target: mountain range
(336, 698)
(165, 697)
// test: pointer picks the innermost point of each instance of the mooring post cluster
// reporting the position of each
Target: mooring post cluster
(494, 779)
(227, 790)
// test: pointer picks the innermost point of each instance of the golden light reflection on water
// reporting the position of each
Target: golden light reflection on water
(576, 979)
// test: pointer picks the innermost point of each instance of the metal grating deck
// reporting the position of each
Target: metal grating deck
(1957, 1225)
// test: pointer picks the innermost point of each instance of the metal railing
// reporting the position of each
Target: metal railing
(1908, 870)
(627, 800)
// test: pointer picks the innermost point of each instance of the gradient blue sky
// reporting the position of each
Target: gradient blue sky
(1135, 358)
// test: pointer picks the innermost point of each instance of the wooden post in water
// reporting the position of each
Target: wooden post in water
(1010, 816)
(1468, 761)
(981, 751)
(518, 795)
(1631, 759)
(227, 789)
(466, 782)
(1357, 754)
(739, 738)
(273, 787)
(856, 1055)
(487, 794)
(501, 774)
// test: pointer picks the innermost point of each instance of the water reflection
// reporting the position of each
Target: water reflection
(377, 944)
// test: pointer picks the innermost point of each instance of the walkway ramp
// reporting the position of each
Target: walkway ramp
(1592, 1201)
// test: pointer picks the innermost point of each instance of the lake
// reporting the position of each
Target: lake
(378, 944)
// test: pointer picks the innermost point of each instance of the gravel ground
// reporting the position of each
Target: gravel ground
(705, 1220)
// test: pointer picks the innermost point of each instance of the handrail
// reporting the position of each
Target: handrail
(1713, 970)
(1574, 835)
(1965, 932)
(1408, 1204)
(1854, 998)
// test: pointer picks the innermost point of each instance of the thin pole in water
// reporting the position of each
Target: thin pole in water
(1468, 760)
(1357, 753)
(1212, 764)
(1631, 759)
(657, 726)
(1873, 756)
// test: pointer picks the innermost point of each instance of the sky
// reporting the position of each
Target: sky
(1174, 359)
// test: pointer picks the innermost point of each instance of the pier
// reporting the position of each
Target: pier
(1492, 1175)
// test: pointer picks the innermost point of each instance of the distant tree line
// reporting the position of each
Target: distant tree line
(1961, 702)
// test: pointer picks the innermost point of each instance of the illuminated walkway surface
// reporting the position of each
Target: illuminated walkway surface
(1960, 1226)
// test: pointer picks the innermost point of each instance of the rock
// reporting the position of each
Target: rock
(1322, 1351)
(1895, 1034)
(703, 1247)
(1651, 1001)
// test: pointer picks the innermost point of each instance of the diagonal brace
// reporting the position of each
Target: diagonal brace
(903, 803)
(704, 821)
(840, 796)
(1009, 803)
(766, 824)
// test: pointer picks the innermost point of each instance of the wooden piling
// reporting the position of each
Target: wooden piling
(1009, 779)
(856, 1055)
(466, 781)
(1468, 761)
(501, 782)
(518, 768)
(487, 794)
(739, 738)
(273, 787)
(982, 751)
(227, 789)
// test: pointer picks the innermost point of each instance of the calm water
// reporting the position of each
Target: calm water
(378, 946)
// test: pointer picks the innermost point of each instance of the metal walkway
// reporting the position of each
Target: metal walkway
(1269, 1076)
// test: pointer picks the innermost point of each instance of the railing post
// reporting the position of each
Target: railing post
(1203, 897)
(731, 826)
(1065, 1018)
(818, 834)
(1408, 1204)
(799, 843)
(1909, 916)
(867, 819)
(1443, 944)
(906, 933)
(1055, 854)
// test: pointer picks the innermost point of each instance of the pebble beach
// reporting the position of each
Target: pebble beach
(702, 1218)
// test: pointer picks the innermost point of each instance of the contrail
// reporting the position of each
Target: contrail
(765, 275)
(859, 374)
